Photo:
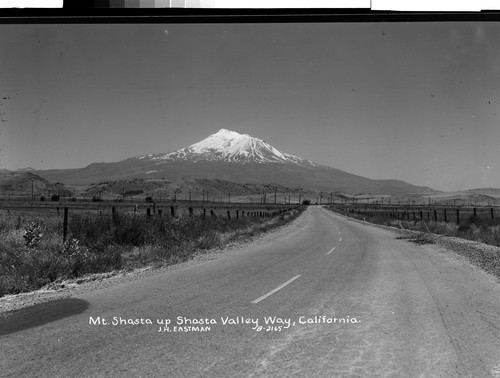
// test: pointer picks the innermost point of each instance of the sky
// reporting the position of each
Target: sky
(417, 102)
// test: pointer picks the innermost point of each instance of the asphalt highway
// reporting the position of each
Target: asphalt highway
(330, 297)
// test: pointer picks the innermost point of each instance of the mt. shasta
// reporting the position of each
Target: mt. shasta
(231, 156)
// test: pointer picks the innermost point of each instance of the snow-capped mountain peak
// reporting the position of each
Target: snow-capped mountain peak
(232, 147)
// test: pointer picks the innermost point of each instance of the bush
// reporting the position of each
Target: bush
(96, 199)
(55, 197)
(42, 198)
(149, 199)
(306, 202)
(32, 253)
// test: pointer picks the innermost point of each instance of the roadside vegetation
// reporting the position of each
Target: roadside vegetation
(478, 229)
(32, 254)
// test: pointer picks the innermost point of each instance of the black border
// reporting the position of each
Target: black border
(219, 15)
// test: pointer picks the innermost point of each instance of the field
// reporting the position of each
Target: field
(39, 246)
(480, 223)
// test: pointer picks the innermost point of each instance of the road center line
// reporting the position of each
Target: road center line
(275, 290)
(330, 251)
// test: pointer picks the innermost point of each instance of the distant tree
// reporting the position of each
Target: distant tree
(42, 198)
(73, 199)
(96, 199)
(149, 199)
(55, 197)
(306, 202)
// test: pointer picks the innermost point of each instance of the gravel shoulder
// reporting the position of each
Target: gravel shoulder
(480, 255)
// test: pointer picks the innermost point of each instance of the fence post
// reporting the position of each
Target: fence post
(65, 224)
(237, 214)
(172, 211)
(212, 213)
(228, 214)
(421, 215)
(190, 211)
(458, 216)
(148, 212)
(435, 215)
(113, 213)
(474, 212)
(492, 214)
(204, 212)
(160, 212)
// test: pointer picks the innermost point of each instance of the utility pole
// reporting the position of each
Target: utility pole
(275, 189)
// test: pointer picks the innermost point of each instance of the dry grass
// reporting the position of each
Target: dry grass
(32, 253)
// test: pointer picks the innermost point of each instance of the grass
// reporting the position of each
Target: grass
(481, 229)
(32, 254)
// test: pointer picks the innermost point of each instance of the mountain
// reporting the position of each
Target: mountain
(231, 147)
(240, 158)
(22, 183)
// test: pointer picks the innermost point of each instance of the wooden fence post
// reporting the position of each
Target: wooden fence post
(65, 224)
(474, 212)
(444, 215)
(492, 214)
(113, 214)
(160, 212)
(172, 211)
(458, 216)
(228, 214)
(237, 214)
(148, 212)
(435, 215)
(190, 211)
(204, 212)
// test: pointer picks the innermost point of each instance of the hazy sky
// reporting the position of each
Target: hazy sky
(412, 101)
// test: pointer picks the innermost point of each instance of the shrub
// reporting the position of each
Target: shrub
(55, 197)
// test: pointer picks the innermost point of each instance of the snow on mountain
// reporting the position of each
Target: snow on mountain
(230, 146)
(27, 169)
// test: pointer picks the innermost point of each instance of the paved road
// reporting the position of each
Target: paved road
(409, 311)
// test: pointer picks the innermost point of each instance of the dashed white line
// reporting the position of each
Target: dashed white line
(275, 290)
(331, 250)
